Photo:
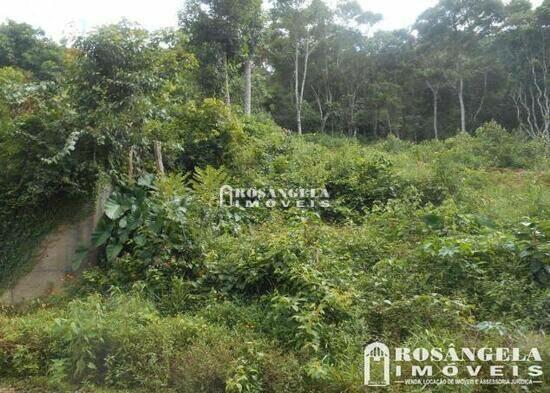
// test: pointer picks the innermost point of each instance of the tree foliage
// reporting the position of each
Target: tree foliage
(431, 236)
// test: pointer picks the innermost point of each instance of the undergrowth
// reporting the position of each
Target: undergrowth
(422, 245)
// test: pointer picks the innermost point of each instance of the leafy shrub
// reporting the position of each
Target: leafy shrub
(198, 297)
(202, 367)
(48, 171)
(392, 144)
(205, 133)
(357, 183)
(501, 148)
(421, 312)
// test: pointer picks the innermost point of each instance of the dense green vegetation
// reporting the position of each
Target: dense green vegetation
(426, 242)
(422, 244)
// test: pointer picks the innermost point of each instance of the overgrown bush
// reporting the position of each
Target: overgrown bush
(507, 150)
(191, 296)
(200, 134)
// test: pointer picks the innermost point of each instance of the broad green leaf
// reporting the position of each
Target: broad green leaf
(80, 254)
(140, 240)
(433, 221)
(113, 250)
(115, 207)
(102, 233)
(146, 180)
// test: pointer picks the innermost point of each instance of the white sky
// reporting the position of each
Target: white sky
(61, 18)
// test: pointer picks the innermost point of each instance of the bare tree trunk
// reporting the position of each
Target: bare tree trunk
(320, 107)
(352, 130)
(516, 97)
(435, 102)
(226, 81)
(376, 124)
(461, 101)
(131, 164)
(158, 157)
(296, 91)
(306, 59)
(247, 86)
(542, 99)
(436, 132)
(323, 116)
(299, 88)
(533, 103)
(482, 100)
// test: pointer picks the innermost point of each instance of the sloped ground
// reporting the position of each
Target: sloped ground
(423, 245)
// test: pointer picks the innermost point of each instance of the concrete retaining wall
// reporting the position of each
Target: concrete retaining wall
(55, 256)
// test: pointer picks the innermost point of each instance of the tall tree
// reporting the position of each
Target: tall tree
(116, 80)
(233, 28)
(457, 27)
(253, 26)
(25, 47)
(301, 27)
(431, 71)
(523, 46)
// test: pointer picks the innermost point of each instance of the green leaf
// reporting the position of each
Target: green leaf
(113, 250)
(146, 180)
(115, 207)
(140, 240)
(80, 254)
(133, 220)
(102, 233)
(434, 221)
(486, 221)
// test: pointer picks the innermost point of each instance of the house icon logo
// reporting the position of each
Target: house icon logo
(377, 364)
(226, 195)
